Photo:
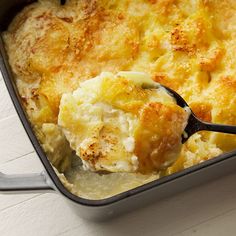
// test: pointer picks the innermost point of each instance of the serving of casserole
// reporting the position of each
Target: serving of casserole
(57, 54)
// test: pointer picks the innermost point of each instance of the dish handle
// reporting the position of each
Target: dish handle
(26, 183)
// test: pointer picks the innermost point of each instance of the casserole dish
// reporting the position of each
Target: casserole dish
(105, 208)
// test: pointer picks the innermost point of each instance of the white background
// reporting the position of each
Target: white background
(206, 210)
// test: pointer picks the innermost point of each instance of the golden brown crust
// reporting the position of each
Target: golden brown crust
(210, 63)
(202, 110)
(164, 124)
(181, 43)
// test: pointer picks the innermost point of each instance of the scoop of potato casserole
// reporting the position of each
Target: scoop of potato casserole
(115, 125)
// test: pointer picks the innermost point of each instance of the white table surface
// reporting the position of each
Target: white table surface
(206, 210)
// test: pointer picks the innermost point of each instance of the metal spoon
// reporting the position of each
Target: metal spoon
(194, 124)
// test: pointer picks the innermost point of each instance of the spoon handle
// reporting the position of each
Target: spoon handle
(194, 125)
(230, 129)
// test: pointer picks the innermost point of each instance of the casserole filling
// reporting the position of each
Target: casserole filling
(188, 46)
